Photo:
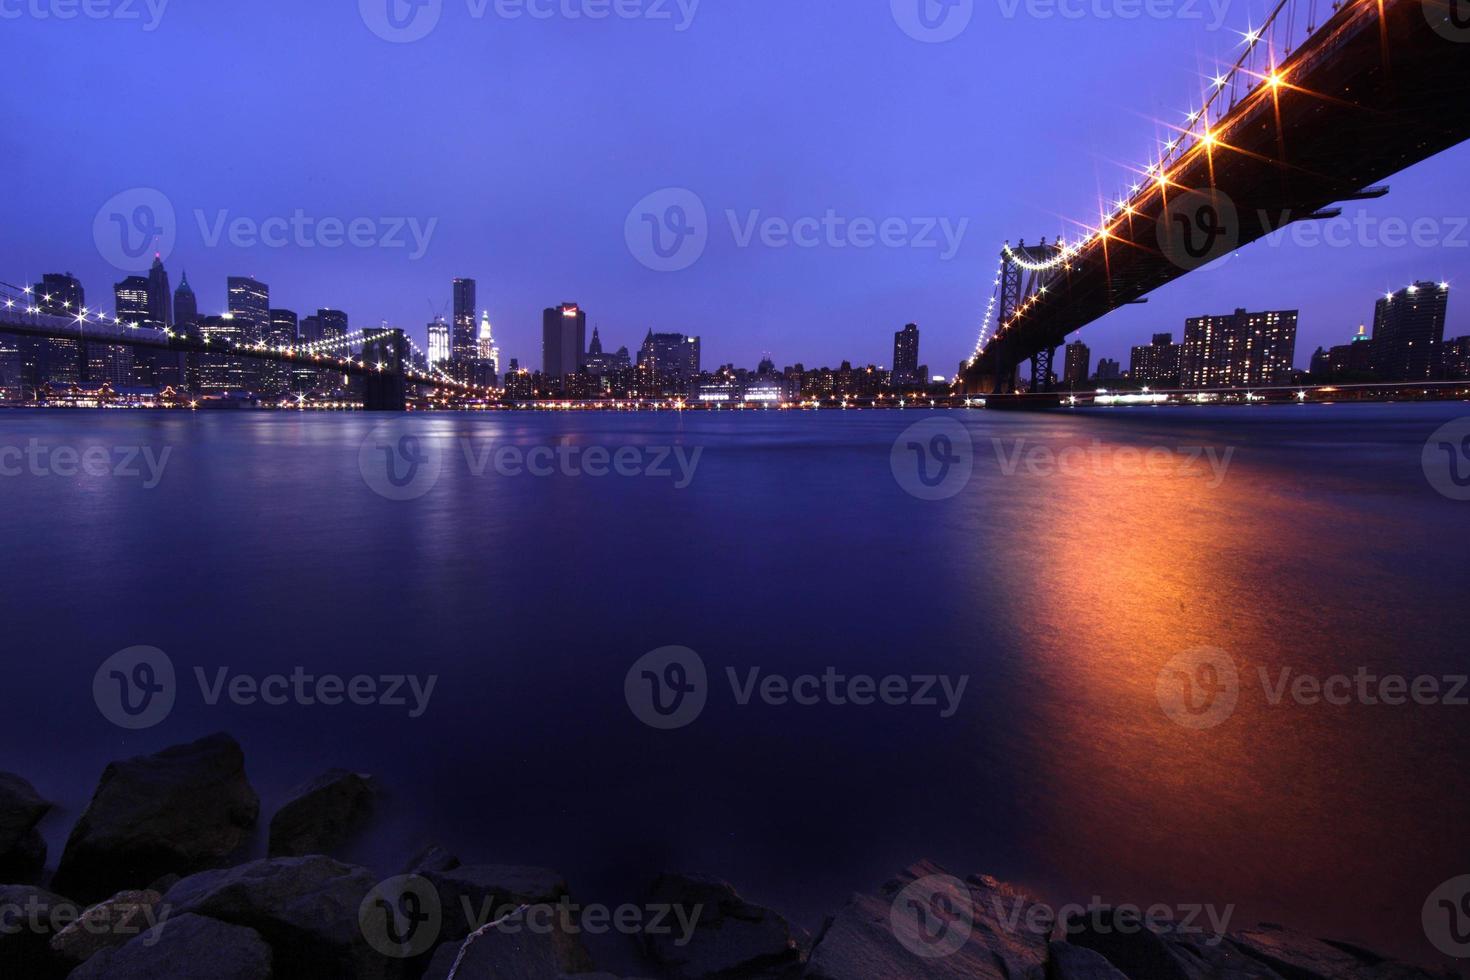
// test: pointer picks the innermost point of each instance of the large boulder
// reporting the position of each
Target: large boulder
(1070, 962)
(306, 908)
(1299, 957)
(115, 922)
(926, 924)
(185, 946)
(183, 810)
(29, 918)
(1141, 947)
(727, 936)
(432, 857)
(22, 851)
(323, 815)
(528, 944)
(474, 895)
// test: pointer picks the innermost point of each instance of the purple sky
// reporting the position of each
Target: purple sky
(529, 141)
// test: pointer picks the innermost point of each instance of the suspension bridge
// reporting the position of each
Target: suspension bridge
(383, 357)
(1310, 115)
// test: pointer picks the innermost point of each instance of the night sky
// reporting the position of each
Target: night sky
(528, 142)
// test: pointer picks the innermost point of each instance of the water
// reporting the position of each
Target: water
(793, 549)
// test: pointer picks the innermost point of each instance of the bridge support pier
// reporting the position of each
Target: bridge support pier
(386, 390)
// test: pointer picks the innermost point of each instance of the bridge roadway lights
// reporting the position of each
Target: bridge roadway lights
(386, 390)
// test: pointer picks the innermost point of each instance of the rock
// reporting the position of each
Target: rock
(22, 851)
(731, 937)
(185, 946)
(431, 857)
(306, 908)
(515, 948)
(476, 894)
(323, 815)
(929, 925)
(1070, 962)
(183, 810)
(1162, 951)
(115, 922)
(1299, 957)
(29, 918)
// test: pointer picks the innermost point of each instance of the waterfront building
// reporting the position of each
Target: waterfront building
(52, 360)
(1408, 332)
(439, 344)
(1109, 370)
(563, 340)
(1156, 363)
(1240, 349)
(1457, 358)
(1353, 361)
(672, 358)
(160, 299)
(250, 306)
(186, 306)
(462, 340)
(906, 371)
(487, 353)
(1078, 363)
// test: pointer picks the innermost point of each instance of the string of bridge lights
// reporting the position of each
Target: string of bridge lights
(315, 350)
(1174, 152)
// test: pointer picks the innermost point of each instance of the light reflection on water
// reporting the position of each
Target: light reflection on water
(1322, 549)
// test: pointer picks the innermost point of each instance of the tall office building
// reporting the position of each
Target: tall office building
(160, 299)
(310, 330)
(1078, 364)
(1156, 363)
(186, 306)
(132, 301)
(333, 324)
(563, 340)
(462, 336)
(487, 353)
(906, 357)
(54, 361)
(1408, 332)
(1238, 350)
(283, 328)
(250, 305)
(439, 348)
(670, 356)
(223, 372)
(1109, 370)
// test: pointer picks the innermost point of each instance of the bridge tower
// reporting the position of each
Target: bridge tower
(1018, 284)
(385, 390)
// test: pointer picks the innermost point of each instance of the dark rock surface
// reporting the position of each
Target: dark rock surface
(512, 950)
(29, 918)
(114, 922)
(183, 810)
(323, 815)
(1140, 949)
(476, 894)
(431, 857)
(861, 942)
(184, 946)
(22, 851)
(306, 908)
(1299, 957)
(1070, 962)
(731, 937)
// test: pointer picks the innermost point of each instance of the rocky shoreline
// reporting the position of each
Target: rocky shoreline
(156, 881)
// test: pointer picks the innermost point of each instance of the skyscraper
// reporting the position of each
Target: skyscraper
(906, 356)
(1408, 332)
(487, 353)
(333, 324)
(439, 348)
(186, 307)
(250, 304)
(133, 301)
(563, 340)
(160, 299)
(1156, 363)
(55, 361)
(670, 356)
(1078, 363)
(1238, 349)
(283, 328)
(462, 336)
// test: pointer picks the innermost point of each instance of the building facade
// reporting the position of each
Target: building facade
(1156, 363)
(1408, 332)
(1237, 350)
(563, 340)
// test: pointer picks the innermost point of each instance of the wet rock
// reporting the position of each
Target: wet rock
(29, 918)
(431, 858)
(323, 815)
(476, 894)
(1163, 951)
(731, 937)
(183, 810)
(114, 922)
(22, 851)
(1070, 962)
(928, 924)
(305, 908)
(185, 946)
(520, 946)
(1299, 957)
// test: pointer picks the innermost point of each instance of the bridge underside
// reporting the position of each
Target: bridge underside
(1369, 96)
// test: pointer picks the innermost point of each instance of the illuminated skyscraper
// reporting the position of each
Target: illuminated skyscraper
(1408, 332)
(906, 357)
(487, 353)
(55, 361)
(186, 307)
(462, 336)
(160, 299)
(1238, 350)
(1157, 363)
(250, 305)
(1078, 364)
(439, 348)
(563, 340)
